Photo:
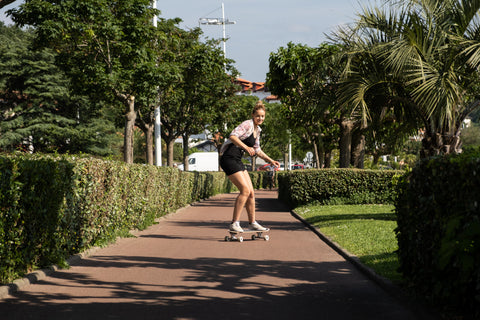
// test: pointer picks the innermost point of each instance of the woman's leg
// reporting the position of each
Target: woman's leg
(246, 196)
(250, 205)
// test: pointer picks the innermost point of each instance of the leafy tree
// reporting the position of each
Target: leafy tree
(207, 85)
(275, 133)
(4, 3)
(174, 48)
(195, 90)
(475, 115)
(274, 137)
(169, 47)
(304, 80)
(37, 111)
(471, 135)
(239, 109)
(105, 47)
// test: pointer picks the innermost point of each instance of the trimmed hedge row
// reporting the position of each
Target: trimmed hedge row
(260, 179)
(51, 207)
(438, 210)
(338, 186)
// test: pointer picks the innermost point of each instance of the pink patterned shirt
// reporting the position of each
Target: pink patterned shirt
(243, 131)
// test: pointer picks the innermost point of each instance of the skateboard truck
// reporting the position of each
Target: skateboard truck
(237, 236)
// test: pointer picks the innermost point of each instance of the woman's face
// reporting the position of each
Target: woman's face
(258, 116)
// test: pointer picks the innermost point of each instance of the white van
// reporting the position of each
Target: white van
(202, 161)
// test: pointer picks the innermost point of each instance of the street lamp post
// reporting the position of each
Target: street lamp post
(157, 126)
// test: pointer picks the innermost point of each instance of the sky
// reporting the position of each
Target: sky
(261, 27)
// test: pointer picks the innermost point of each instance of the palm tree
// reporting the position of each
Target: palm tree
(4, 3)
(372, 101)
(428, 54)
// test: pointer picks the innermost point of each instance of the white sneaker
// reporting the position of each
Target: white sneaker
(256, 226)
(235, 226)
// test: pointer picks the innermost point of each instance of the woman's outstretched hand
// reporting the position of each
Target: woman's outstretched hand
(251, 151)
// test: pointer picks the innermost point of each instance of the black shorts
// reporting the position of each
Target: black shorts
(231, 165)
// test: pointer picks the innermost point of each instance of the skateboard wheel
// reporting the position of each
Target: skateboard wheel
(267, 238)
(253, 237)
(240, 239)
(227, 238)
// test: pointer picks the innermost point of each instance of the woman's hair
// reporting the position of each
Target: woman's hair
(258, 106)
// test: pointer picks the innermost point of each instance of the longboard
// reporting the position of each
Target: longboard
(237, 235)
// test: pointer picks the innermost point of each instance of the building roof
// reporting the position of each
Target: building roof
(250, 85)
(271, 98)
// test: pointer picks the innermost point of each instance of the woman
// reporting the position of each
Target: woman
(245, 138)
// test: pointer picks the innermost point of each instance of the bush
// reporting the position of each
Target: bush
(52, 207)
(260, 179)
(439, 231)
(338, 186)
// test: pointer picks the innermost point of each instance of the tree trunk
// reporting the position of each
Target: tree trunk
(130, 117)
(345, 144)
(149, 131)
(376, 157)
(169, 136)
(328, 159)
(358, 150)
(318, 154)
(435, 144)
(170, 145)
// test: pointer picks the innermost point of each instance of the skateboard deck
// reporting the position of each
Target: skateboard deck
(237, 235)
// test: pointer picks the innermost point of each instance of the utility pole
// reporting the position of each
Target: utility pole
(157, 134)
(216, 22)
(289, 150)
(224, 35)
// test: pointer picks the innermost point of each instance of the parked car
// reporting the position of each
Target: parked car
(264, 167)
(202, 161)
(298, 166)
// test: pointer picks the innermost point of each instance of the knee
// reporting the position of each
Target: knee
(247, 193)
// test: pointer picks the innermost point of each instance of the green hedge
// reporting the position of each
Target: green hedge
(260, 179)
(53, 207)
(338, 186)
(438, 233)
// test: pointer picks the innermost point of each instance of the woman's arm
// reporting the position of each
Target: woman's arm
(251, 151)
(236, 141)
(264, 156)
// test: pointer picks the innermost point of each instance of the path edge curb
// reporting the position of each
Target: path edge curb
(41, 274)
(384, 283)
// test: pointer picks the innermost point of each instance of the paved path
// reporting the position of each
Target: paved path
(182, 268)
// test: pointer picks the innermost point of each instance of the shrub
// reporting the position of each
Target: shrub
(338, 186)
(439, 230)
(260, 179)
(53, 207)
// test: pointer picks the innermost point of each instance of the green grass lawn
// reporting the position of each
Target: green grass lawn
(366, 231)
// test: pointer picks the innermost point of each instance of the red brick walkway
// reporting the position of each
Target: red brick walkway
(182, 268)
